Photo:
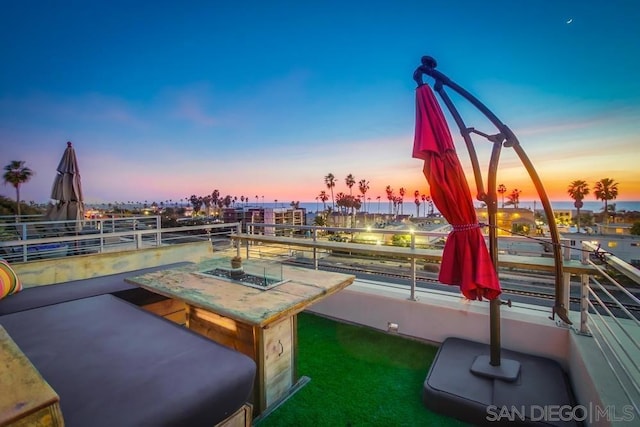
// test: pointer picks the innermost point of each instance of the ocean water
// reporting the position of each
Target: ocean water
(410, 207)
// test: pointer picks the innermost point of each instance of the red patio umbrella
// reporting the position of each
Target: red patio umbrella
(465, 261)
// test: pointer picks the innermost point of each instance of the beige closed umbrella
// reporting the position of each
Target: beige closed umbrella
(67, 191)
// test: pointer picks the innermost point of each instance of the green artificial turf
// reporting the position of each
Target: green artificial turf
(359, 377)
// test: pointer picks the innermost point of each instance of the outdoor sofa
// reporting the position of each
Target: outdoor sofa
(114, 364)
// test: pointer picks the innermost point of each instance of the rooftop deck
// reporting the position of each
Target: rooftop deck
(599, 353)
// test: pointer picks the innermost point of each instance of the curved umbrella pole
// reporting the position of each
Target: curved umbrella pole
(506, 137)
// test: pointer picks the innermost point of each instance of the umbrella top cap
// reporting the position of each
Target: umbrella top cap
(68, 143)
(429, 62)
(427, 66)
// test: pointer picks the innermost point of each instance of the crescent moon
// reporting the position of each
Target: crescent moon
(570, 21)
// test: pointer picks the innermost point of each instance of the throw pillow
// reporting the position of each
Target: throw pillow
(9, 281)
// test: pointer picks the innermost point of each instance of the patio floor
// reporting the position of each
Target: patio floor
(359, 377)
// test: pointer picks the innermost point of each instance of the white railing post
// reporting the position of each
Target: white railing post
(584, 303)
(413, 268)
(584, 254)
(239, 242)
(315, 250)
(566, 251)
(159, 232)
(566, 278)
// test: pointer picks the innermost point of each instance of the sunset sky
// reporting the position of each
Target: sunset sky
(167, 99)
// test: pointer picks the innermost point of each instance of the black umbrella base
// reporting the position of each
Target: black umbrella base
(524, 390)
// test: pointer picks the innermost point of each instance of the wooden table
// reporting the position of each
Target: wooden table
(27, 399)
(259, 323)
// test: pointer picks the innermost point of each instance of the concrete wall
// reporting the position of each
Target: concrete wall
(58, 270)
(435, 317)
(596, 383)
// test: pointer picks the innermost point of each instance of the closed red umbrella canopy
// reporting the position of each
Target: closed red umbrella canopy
(465, 261)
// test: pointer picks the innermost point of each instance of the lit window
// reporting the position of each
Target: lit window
(612, 244)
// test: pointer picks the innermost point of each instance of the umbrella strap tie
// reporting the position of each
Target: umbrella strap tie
(464, 227)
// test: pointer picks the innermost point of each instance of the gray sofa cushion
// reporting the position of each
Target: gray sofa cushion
(113, 364)
(41, 296)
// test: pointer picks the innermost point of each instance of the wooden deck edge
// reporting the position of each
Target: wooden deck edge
(241, 418)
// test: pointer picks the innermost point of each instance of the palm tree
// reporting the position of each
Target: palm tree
(330, 181)
(389, 191)
(577, 190)
(363, 185)
(16, 174)
(402, 192)
(606, 189)
(207, 200)
(397, 201)
(514, 198)
(215, 199)
(416, 194)
(324, 197)
(502, 189)
(350, 181)
(196, 202)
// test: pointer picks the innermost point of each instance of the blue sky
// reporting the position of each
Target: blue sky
(167, 99)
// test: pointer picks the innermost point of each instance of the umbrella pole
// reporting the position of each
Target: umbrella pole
(492, 213)
(490, 198)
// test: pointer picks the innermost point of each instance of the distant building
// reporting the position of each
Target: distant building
(563, 216)
(625, 247)
(289, 215)
(566, 217)
(365, 219)
(510, 220)
(614, 228)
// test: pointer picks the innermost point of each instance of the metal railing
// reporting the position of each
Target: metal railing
(610, 312)
(413, 237)
(409, 243)
(26, 241)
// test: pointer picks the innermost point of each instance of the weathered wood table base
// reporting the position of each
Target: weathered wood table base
(259, 323)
